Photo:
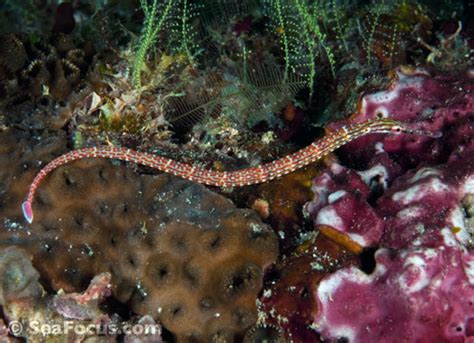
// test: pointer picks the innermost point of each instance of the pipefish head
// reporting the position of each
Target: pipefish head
(388, 125)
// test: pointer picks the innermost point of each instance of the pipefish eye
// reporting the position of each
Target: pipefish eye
(396, 129)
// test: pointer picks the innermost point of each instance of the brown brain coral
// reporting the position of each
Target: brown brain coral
(31, 70)
(20, 157)
(41, 82)
(175, 249)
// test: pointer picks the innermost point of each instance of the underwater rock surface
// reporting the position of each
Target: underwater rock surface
(34, 315)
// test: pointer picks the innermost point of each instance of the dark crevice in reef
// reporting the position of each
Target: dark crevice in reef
(367, 260)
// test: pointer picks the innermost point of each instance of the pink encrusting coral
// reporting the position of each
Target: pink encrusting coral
(433, 103)
(418, 295)
(414, 202)
(423, 285)
(423, 203)
(340, 197)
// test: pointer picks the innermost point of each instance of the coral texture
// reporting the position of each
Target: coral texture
(280, 202)
(32, 70)
(341, 197)
(40, 81)
(411, 288)
(22, 154)
(432, 102)
(75, 317)
(417, 215)
(418, 294)
(19, 278)
(287, 300)
(175, 250)
(264, 333)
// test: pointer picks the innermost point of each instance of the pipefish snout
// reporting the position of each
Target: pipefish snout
(253, 175)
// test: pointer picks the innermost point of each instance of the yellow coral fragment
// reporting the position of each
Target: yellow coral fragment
(455, 229)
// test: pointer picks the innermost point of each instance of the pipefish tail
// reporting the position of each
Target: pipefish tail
(259, 174)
